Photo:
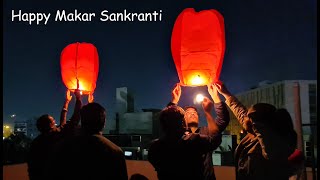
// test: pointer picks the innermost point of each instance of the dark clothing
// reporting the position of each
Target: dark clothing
(42, 146)
(39, 153)
(88, 157)
(222, 120)
(261, 154)
(181, 158)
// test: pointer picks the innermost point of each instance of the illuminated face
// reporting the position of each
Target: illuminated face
(191, 116)
(52, 122)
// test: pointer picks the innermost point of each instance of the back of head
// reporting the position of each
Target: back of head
(283, 125)
(262, 112)
(93, 117)
(172, 120)
(283, 119)
(45, 123)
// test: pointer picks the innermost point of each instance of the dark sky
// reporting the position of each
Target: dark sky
(265, 40)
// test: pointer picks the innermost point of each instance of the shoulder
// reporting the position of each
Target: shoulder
(155, 143)
(107, 143)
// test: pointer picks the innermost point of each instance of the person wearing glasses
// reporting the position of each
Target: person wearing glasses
(214, 125)
(177, 154)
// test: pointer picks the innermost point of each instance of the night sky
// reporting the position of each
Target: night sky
(265, 40)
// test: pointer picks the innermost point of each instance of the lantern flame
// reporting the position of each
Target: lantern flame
(197, 80)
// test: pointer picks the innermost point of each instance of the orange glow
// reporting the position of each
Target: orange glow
(197, 79)
(198, 46)
(79, 67)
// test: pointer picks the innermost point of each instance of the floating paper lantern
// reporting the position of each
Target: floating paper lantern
(79, 64)
(198, 46)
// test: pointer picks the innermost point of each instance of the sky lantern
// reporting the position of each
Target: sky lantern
(79, 67)
(198, 46)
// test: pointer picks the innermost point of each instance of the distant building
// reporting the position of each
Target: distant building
(124, 100)
(281, 95)
(20, 128)
(136, 123)
(32, 130)
(133, 130)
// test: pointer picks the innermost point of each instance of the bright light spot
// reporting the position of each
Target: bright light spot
(199, 98)
(80, 92)
(197, 80)
(127, 153)
(13, 115)
(3, 138)
(7, 127)
(81, 86)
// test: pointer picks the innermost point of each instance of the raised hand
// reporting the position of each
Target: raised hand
(77, 93)
(207, 105)
(221, 88)
(68, 96)
(214, 93)
(176, 93)
(90, 98)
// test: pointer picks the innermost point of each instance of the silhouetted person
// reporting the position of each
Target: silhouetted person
(50, 134)
(178, 154)
(263, 153)
(283, 125)
(216, 125)
(89, 155)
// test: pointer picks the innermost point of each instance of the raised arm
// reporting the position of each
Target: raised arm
(176, 93)
(75, 118)
(238, 109)
(223, 118)
(212, 125)
(63, 114)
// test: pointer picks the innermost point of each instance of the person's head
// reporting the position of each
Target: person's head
(46, 123)
(261, 113)
(172, 120)
(191, 116)
(283, 125)
(93, 118)
(283, 120)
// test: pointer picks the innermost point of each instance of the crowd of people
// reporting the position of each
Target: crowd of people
(76, 149)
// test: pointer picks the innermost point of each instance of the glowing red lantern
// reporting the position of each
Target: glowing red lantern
(79, 67)
(198, 46)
